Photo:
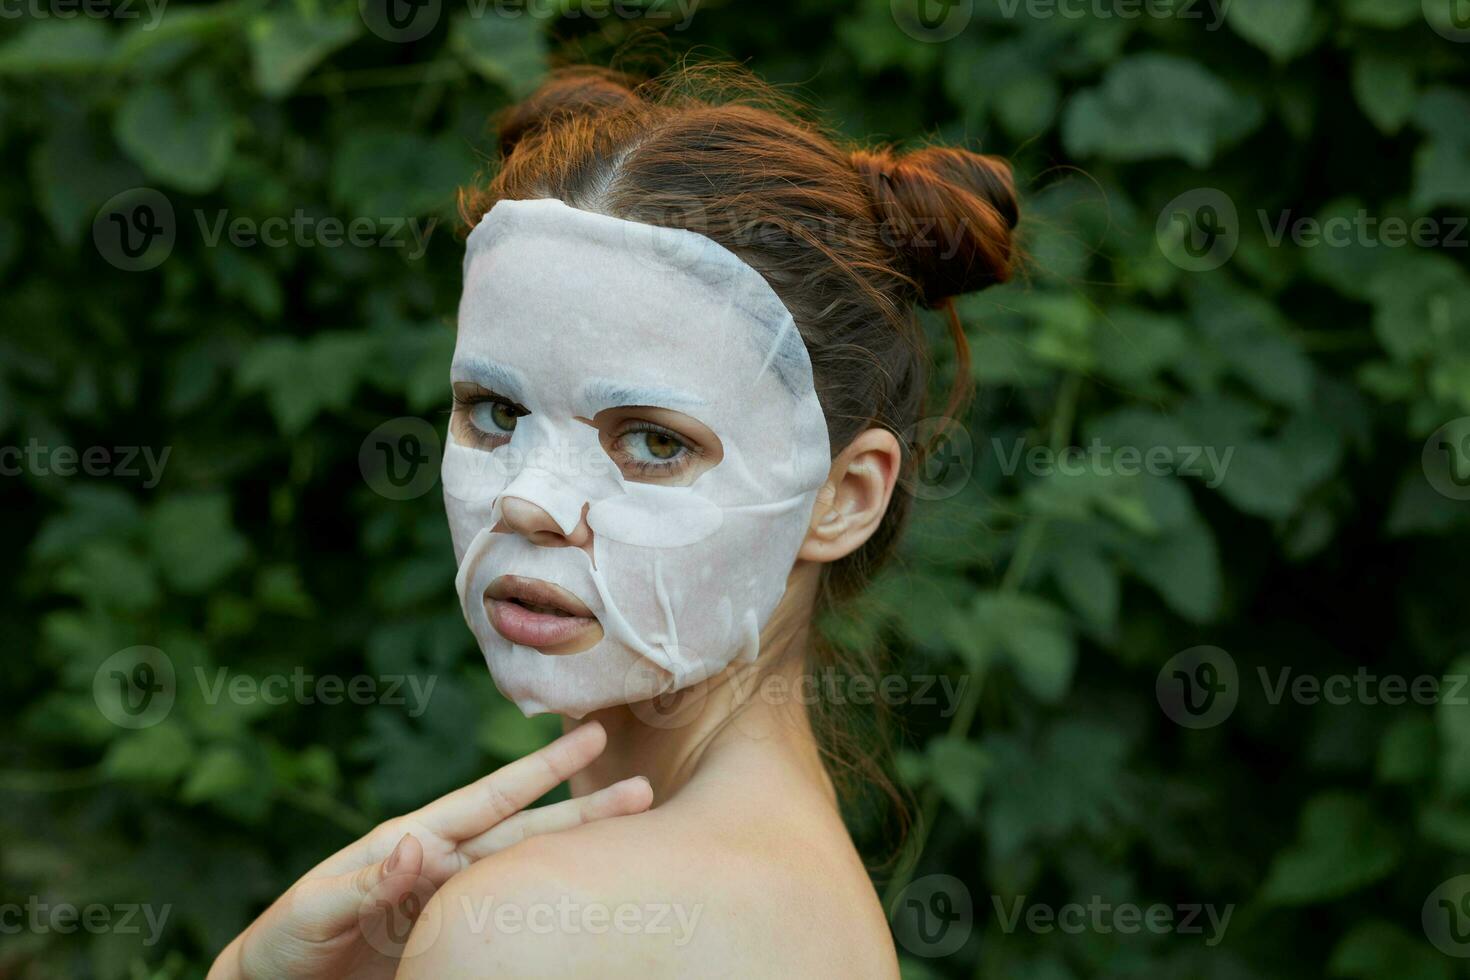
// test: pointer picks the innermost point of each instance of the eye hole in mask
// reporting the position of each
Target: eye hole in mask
(657, 445)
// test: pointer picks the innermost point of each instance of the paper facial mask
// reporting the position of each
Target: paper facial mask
(583, 328)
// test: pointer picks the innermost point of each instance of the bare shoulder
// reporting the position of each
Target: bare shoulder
(656, 895)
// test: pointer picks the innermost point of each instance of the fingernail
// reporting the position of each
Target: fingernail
(392, 863)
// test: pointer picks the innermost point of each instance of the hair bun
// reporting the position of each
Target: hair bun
(949, 213)
(580, 91)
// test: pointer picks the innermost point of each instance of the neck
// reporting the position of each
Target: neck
(670, 739)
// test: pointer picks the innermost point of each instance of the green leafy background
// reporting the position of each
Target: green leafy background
(1056, 776)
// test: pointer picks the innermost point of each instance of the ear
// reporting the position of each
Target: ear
(852, 502)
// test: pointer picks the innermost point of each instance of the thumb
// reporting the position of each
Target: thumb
(332, 906)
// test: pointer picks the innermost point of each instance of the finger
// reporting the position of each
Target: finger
(618, 800)
(328, 907)
(471, 810)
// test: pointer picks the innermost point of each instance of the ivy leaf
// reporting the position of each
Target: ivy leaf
(1031, 635)
(1385, 88)
(181, 135)
(1341, 846)
(1281, 28)
(194, 542)
(1379, 950)
(53, 45)
(958, 768)
(285, 47)
(1158, 105)
(509, 51)
(1453, 718)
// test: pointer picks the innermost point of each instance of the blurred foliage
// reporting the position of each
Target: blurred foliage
(262, 550)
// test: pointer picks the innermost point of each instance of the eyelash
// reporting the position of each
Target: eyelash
(465, 404)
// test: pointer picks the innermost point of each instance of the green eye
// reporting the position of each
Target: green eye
(661, 446)
(494, 417)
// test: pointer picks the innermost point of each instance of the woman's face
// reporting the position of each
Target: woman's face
(633, 455)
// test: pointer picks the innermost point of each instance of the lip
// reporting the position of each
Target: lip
(561, 624)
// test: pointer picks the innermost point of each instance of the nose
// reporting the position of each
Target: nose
(535, 525)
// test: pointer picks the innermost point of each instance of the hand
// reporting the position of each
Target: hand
(350, 915)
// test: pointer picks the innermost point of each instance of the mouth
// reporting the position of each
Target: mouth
(535, 613)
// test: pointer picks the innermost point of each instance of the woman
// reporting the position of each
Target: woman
(686, 343)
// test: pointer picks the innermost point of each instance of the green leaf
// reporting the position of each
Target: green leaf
(194, 542)
(1030, 634)
(158, 754)
(55, 45)
(386, 173)
(1341, 846)
(1407, 751)
(300, 380)
(285, 46)
(510, 51)
(1158, 105)
(75, 171)
(1453, 717)
(1384, 13)
(958, 768)
(1281, 28)
(1379, 950)
(181, 135)
(1385, 88)
(219, 773)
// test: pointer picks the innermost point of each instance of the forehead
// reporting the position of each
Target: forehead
(625, 305)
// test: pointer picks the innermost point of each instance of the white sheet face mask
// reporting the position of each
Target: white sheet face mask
(574, 318)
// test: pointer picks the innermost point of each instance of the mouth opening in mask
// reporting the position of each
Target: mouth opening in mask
(538, 614)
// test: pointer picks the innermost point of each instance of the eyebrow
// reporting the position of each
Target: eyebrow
(499, 378)
(603, 393)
